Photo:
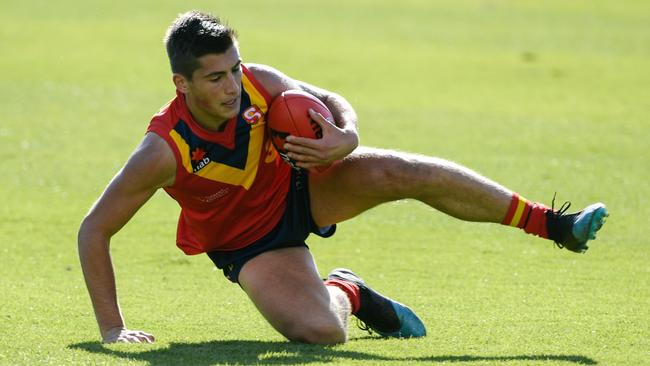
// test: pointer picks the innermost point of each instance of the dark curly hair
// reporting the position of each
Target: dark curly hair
(192, 35)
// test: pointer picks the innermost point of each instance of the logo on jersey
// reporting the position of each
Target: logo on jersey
(198, 154)
(199, 160)
(252, 115)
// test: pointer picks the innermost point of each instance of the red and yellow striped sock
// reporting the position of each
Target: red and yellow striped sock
(530, 216)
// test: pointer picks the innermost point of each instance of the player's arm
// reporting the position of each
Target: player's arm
(151, 166)
(340, 137)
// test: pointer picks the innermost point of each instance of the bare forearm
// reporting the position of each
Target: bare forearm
(342, 111)
(100, 279)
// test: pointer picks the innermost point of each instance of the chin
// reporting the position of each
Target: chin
(232, 114)
(234, 111)
(225, 114)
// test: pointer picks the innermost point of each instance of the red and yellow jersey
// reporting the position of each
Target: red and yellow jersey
(231, 185)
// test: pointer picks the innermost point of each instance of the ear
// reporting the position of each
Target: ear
(182, 84)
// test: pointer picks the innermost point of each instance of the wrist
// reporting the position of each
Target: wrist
(111, 332)
(352, 137)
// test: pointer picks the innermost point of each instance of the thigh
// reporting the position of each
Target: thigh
(364, 179)
(283, 284)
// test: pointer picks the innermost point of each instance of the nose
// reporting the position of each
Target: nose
(232, 85)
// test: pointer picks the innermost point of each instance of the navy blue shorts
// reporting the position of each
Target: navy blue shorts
(293, 229)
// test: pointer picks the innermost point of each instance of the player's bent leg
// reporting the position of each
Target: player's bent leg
(285, 287)
(370, 176)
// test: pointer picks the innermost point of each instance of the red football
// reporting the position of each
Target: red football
(289, 115)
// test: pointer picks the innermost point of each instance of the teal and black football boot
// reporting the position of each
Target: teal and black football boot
(573, 231)
(384, 316)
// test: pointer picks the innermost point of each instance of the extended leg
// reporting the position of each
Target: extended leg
(369, 177)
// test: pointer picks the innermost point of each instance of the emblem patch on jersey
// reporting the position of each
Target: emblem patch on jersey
(198, 154)
(199, 159)
(252, 114)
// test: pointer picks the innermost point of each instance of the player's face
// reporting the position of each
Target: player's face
(214, 93)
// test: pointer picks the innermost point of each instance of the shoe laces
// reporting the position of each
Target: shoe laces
(363, 326)
(565, 206)
(560, 212)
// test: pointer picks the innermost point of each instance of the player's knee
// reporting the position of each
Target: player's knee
(317, 333)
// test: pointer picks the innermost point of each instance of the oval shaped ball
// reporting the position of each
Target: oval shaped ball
(289, 115)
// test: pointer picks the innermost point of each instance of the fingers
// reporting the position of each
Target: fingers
(326, 125)
(127, 339)
(322, 121)
(318, 151)
(306, 159)
(306, 155)
(294, 141)
(131, 336)
(145, 337)
(334, 144)
(294, 151)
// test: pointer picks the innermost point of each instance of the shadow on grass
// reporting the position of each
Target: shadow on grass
(285, 353)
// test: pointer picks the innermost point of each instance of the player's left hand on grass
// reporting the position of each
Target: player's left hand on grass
(335, 144)
(122, 335)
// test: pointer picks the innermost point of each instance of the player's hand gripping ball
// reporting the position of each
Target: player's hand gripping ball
(289, 115)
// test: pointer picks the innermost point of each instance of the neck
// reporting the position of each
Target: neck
(203, 118)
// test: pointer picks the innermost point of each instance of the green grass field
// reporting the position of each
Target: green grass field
(544, 97)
